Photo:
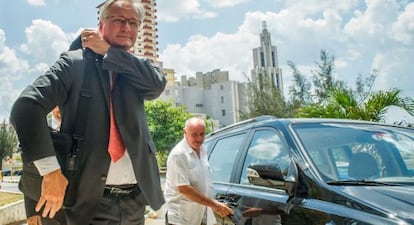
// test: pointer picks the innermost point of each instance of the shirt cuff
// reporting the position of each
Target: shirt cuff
(47, 165)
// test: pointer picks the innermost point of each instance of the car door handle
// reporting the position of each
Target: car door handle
(228, 201)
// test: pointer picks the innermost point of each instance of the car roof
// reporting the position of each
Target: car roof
(267, 119)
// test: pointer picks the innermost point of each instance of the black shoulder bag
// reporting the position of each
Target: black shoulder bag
(67, 146)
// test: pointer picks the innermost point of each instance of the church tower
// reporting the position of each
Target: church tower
(265, 61)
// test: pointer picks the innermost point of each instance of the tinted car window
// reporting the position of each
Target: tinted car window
(359, 152)
(223, 156)
(266, 147)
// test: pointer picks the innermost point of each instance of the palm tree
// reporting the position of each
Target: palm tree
(342, 103)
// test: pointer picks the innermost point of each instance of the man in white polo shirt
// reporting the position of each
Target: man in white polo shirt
(188, 180)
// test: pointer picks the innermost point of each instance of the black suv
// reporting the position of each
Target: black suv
(313, 171)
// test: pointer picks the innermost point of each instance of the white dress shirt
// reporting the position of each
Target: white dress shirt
(185, 167)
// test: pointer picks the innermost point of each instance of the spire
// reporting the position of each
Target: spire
(264, 25)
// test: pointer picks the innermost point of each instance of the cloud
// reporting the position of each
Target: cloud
(403, 28)
(225, 3)
(371, 27)
(44, 41)
(395, 70)
(20, 66)
(173, 11)
(11, 70)
(36, 2)
(227, 52)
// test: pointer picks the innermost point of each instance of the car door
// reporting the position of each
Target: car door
(257, 204)
(223, 155)
(260, 204)
(266, 203)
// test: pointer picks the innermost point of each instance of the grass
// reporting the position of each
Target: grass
(7, 198)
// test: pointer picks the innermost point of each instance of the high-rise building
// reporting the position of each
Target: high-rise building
(146, 45)
(265, 61)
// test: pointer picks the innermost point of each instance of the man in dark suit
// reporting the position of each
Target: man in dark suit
(111, 190)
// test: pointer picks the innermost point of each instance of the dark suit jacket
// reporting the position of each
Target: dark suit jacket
(136, 81)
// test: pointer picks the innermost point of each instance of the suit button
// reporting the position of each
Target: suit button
(103, 178)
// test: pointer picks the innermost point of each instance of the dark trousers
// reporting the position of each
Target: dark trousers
(30, 206)
(111, 211)
(121, 211)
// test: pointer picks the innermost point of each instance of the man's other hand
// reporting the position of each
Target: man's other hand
(53, 193)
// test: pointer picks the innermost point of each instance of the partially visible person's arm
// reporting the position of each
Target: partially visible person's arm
(191, 193)
(47, 165)
(146, 78)
(28, 116)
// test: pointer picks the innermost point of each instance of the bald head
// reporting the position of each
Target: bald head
(194, 132)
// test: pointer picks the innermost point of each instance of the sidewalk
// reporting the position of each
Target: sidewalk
(11, 179)
(156, 217)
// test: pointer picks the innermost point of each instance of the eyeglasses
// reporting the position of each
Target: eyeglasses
(122, 21)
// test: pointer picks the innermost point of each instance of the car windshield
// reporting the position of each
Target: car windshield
(346, 152)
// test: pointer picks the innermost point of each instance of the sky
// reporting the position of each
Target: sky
(203, 35)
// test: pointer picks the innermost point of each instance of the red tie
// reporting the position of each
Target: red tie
(116, 146)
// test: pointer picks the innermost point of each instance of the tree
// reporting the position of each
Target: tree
(299, 92)
(323, 80)
(8, 141)
(342, 103)
(166, 124)
(364, 85)
(264, 99)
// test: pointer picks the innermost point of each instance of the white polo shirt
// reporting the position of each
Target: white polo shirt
(184, 167)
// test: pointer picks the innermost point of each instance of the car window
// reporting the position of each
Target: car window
(359, 152)
(223, 156)
(266, 147)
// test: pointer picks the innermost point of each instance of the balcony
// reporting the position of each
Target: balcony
(148, 54)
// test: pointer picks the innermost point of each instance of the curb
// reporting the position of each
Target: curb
(12, 213)
(9, 179)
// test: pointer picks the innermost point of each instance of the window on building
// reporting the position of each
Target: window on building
(223, 112)
(199, 105)
(221, 87)
(222, 99)
(262, 59)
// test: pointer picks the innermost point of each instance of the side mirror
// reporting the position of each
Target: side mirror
(292, 179)
(268, 175)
